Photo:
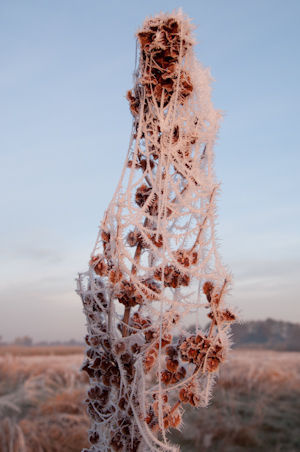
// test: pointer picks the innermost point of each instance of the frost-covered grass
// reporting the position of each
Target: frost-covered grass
(41, 404)
(256, 406)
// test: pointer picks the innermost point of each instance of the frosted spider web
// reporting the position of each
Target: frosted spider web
(156, 255)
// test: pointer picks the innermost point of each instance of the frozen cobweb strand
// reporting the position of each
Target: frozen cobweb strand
(156, 256)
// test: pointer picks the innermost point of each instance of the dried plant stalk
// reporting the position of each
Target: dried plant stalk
(156, 255)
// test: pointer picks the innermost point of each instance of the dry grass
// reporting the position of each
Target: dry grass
(256, 406)
(261, 370)
(41, 404)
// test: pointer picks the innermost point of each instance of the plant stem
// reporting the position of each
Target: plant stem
(156, 426)
(137, 256)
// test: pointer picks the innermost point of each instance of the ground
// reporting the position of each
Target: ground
(255, 408)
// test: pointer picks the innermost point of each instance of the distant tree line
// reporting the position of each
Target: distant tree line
(27, 341)
(265, 334)
(270, 334)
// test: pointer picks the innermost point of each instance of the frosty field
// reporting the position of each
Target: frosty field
(256, 405)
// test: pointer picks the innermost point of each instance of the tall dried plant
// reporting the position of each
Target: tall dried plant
(156, 260)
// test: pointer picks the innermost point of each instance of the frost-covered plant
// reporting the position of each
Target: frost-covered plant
(156, 260)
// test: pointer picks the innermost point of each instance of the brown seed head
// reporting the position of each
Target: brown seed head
(212, 364)
(120, 348)
(180, 374)
(171, 365)
(166, 376)
(171, 351)
(115, 275)
(174, 419)
(183, 395)
(94, 438)
(105, 236)
(122, 403)
(207, 289)
(126, 358)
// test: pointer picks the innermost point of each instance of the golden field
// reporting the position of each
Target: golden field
(256, 404)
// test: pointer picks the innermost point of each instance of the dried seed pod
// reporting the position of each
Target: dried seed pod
(115, 381)
(183, 395)
(172, 277)
(186, 258)
(180, 374)
(222, 316)
(186, 87)
(105, 236)
(207, 289)
(153, 287)
(149, 360)
(227, 316)
(164, 397)
(120, 348)
(125, 430)
(133, 238)
(212, 364)
(86, 368)
(172, 352)
(100, 266)
(134, 103)
(156, 240)
(96, 364)
(94, 341)
(150, 335)
(149, 417)
(135, 349)
(171, 365)
(166, 339)
(142, 194)
(106, 344)
(116, 442)
(94, 438)
(175, 419)
(115, 275)
(145, 38)
(194, 399)
(126, 358)
(106, 380)
(166, 376)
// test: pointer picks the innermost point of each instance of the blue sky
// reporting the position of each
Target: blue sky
(65, 128)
